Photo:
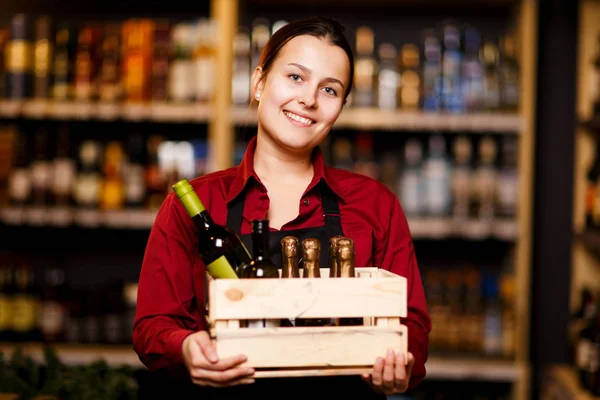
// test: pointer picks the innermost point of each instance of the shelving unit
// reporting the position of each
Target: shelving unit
(222, 120)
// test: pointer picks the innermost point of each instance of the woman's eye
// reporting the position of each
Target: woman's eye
(295, 77)
(330, 91)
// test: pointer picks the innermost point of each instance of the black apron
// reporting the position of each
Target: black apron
(313, 388)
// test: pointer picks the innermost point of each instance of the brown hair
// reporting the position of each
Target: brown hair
(319, 27)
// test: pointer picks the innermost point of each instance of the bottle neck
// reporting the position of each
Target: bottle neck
(260, 244)
(202, 220)
(311, 269)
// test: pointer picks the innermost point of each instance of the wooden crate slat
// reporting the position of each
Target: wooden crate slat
(317, 347)
(303, 372)
(307, 298)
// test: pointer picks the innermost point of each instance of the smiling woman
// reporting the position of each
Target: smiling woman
(301, 84)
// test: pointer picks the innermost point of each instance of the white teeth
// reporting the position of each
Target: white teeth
(298, 118)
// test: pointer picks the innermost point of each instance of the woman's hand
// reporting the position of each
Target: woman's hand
(390, 375)
(206, 369)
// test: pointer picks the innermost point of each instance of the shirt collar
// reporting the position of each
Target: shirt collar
(245, 172)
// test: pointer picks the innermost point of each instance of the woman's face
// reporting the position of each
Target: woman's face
(303, 93)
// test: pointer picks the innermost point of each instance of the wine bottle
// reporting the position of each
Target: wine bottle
(311, 258)
(261, 266)
(220, 248)
(289, 254)
(334, 268)
(345, 260)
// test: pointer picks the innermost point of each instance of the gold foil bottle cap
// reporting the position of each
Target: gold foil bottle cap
(289, 253)
(289, 245)
(311, 253)
(334, 268)
(345, 256)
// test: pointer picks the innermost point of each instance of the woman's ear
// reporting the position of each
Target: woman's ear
(257, 83)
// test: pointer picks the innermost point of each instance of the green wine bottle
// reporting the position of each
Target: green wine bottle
(220, 248)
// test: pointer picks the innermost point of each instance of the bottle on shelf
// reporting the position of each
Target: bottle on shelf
(489, 56)
(43, 56)
(109, 87)
(432, 71)
(88, 183)
(7, 293)
(64, 63)
(19, 58)
(365, 69)
(485, 180)
(25, 302)
(220, 248)
(41, 178)
(462, 177)
(437, 171)
(508, 68)
(411, 86)
(492, 319)
(412, 184)
(507, 183)
(452, 94)
(240, 84)
(19, 181)
(53, 307)
(63, 175)
(388, 81)
(472, 70)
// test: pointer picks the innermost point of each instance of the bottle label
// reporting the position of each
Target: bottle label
(221, 268)
(5, 313)
(24, 313)
(52, 318)
(19, 185)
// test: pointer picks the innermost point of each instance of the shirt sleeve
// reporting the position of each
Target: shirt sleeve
(166, 311)
(395, 252)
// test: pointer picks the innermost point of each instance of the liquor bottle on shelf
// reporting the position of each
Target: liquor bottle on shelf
(43, 56)
(365, 163)
(492, 319)
(161, 61)
(87, 63)
(7, 293)
(432, 71)
(4, 40)
(19, 183)
(388, 81)
(53, 307)
(109, 87)
(220, 248)
(155, 181)
(135, 185)
(259, 37)
(88, 183)
(489, 56)
(410, 78)
(345, 260)
(365, 67)
(411, 185)
(437, 170)
(261, 266)
(507, 190)
(485, 180)
(452, 95)
(508, 68)
(472, 70)
(204, 58)
(462, 177)
(113, 188)
(63, 175)
(41, 178)
(19, 58)
(64, 63)
(25, 302)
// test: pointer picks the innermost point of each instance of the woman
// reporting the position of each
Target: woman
(302, 83)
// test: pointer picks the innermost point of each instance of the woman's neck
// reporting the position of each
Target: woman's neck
(272, 164)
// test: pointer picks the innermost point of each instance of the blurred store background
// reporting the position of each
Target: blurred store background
(481, 116)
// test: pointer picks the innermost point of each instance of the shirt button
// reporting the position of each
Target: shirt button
(306, 202)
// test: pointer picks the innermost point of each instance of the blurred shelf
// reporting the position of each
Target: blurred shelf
(560, 382)
(421, 228)
(437, 368)
(443, 228)
(474, 369)
(590, 240)
(79, 354)
(392, 120)
(65, 217)
(83, 111)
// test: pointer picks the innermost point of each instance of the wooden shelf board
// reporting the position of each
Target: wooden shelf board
(391, 120)
(421, 228)
(72, 110)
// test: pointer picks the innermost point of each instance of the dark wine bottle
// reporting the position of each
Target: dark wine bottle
(261, 267)
(220, 248)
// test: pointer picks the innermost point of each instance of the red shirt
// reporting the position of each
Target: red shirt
(171, 289)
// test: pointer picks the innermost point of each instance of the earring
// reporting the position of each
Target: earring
(257, 95)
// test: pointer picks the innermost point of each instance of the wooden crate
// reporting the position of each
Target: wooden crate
(377, 295)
